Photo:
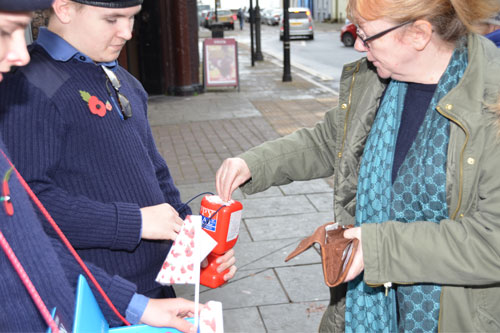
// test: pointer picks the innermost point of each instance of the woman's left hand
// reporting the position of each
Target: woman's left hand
(358, 264)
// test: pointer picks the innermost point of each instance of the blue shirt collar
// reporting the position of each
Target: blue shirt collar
(61, 50)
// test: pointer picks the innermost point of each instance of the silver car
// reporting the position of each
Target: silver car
(273, 16)
(301, 23)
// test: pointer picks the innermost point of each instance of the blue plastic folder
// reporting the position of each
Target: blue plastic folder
(89, 318)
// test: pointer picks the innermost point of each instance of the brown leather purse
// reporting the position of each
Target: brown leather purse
(337, 252)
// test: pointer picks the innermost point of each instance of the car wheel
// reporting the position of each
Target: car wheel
(348, 39)
(281, 38)
(311, 37)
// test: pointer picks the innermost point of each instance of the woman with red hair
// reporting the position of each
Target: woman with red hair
(413, 148)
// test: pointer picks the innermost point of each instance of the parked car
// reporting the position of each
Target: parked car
(273, 16)
(301, 23)
(265, 14)
(348, 34)
(246, 15)
(224, 17)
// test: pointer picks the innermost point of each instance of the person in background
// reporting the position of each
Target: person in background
(76, 125)
(413, 147)
(241, 18)
(27, 253)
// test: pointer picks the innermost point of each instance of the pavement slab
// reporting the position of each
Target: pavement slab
(286, 226)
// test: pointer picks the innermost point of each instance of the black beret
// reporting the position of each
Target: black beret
(24, 5)
(110, 3)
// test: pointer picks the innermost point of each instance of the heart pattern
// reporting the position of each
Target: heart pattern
(211, 318)
(179, 264)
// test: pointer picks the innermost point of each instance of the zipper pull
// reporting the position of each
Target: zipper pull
(387, 285)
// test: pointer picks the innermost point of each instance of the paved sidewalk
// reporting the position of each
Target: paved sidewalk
(195, 134)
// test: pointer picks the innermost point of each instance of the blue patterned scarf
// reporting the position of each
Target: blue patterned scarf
(418, 194)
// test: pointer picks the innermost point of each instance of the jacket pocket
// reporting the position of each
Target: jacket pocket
(485, 322)
(487, 317)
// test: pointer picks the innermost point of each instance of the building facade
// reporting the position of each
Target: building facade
(322, 10)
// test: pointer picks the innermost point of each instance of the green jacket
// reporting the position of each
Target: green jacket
(461, 253)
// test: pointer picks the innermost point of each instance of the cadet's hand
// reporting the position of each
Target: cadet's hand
(232, 173)
(170, 312)
(224, 262)
(160, 222)
(358, 264)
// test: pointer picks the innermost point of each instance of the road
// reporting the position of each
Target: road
(322, 58)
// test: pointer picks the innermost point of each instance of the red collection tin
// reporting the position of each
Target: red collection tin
(221, 220)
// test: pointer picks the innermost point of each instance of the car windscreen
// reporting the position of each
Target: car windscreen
(297, 15)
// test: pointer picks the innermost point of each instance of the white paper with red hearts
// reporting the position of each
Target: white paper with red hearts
(180, 265)
(211, 318)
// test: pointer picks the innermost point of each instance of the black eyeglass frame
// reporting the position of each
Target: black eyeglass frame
(379, 34)
(123, 102)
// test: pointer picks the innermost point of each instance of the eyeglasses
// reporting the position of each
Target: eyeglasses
(378, 35)
(123, 101)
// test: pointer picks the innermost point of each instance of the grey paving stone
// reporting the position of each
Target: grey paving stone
(310, 186)
(276, 206)
(286, 226)
(164, 110)
(292, 318)
(272, 253)
(190, 190)
(243, 235)
(248, 288)
(304, 283)
(243, 320)
(322, 201)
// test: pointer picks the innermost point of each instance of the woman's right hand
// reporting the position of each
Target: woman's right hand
(232, 173)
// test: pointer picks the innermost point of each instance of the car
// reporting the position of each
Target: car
(273, 16)
(301, 23)
(264, 16)
(246, 15)
(224, 17)
(348, 34)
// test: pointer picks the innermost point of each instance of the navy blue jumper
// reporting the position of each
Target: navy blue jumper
(93, 171)
(50, 267)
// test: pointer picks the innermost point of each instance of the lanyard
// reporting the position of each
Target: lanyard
(65, 241)
(28, 284)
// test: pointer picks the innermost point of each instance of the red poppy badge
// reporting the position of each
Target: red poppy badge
(96, 106)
